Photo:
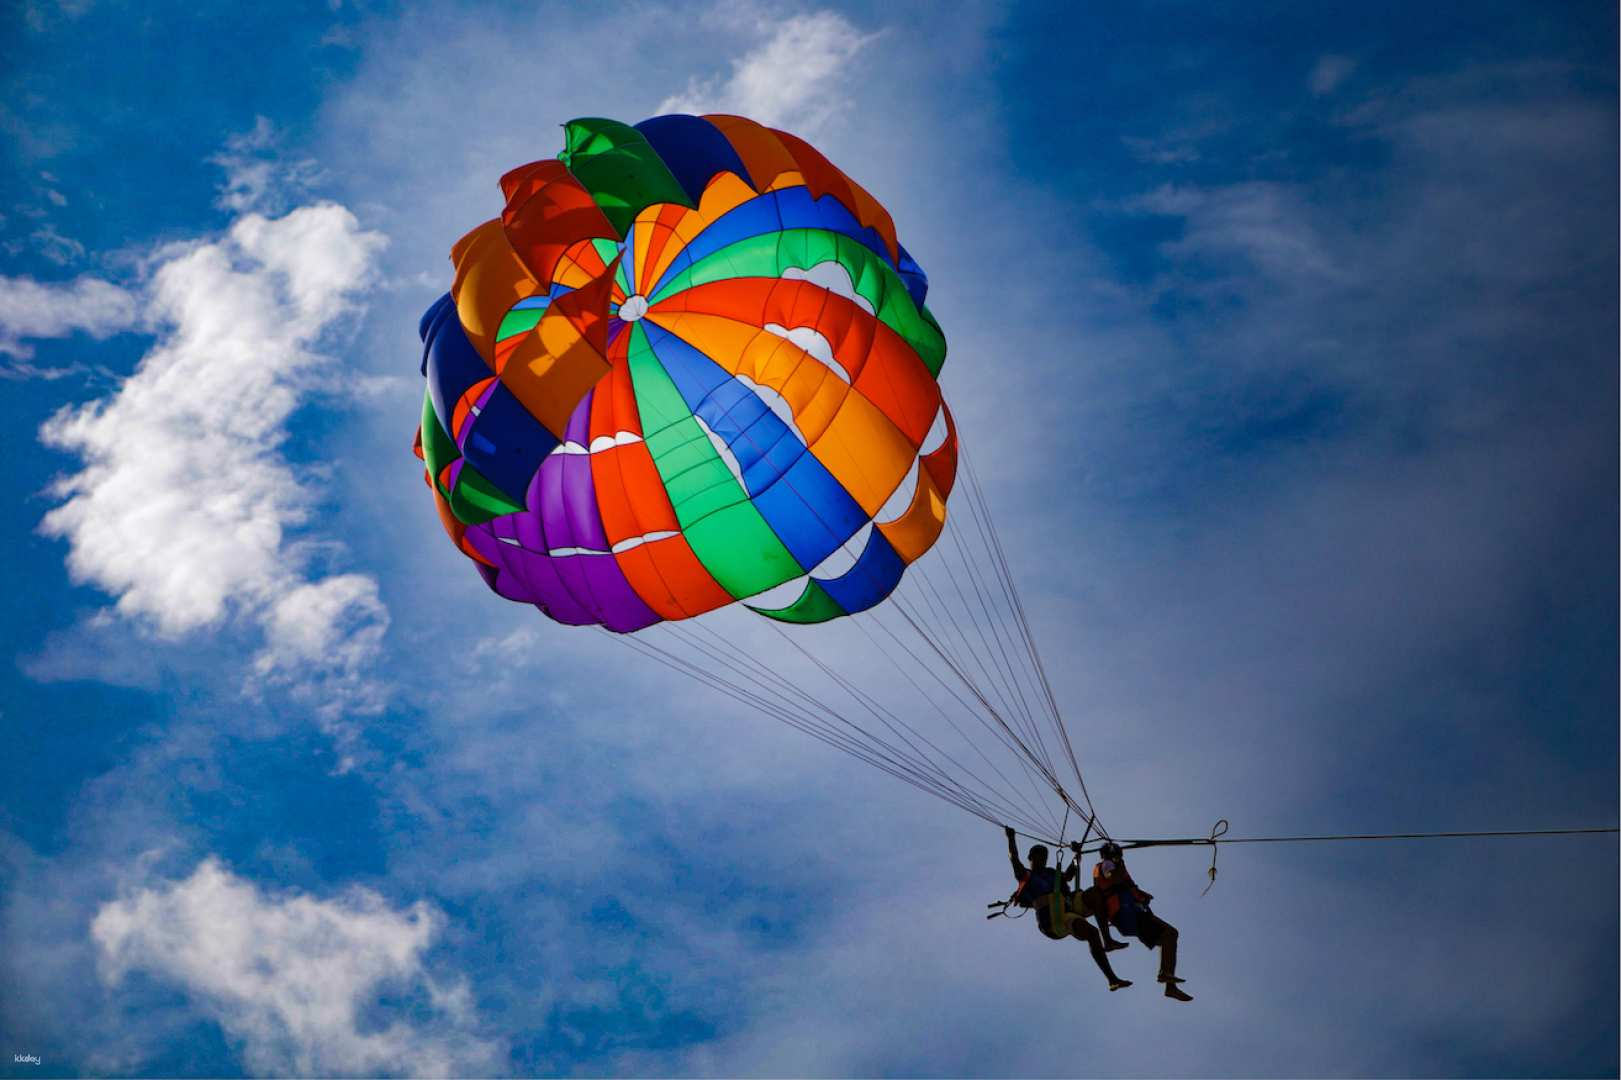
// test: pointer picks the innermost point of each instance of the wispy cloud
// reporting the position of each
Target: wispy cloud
(43, 14)
(1329, 73)
(184, 501)
(50, 242)
(258, 175)
(295, 978)
(1175, 149)
(1267, 225)
(793, 78)
(31, 309)
(333, 626)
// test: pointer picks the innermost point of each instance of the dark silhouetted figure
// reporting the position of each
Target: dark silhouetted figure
(1120, 902)
(1060, 912)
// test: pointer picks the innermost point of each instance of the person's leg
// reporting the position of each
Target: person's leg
(1167, 963)
(1094, 902)
(1167, 955)
(1081, 930)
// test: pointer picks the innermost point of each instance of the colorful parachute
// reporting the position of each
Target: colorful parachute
(689, 363)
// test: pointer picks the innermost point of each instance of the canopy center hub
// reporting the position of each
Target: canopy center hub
(634, 307)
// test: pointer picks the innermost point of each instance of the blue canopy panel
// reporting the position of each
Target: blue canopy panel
(501, 440)
(505, 443)
(873, 577)
(798, 497)
(693, 150)
(917, 282)
(809, 510)
(449, 361)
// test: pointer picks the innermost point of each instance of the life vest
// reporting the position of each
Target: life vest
(1115, 887)
(1035, 886)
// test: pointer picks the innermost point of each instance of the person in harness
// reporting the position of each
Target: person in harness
(1118, 900)
(1060, 912)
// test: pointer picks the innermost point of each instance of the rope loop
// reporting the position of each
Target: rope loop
(1217, 831)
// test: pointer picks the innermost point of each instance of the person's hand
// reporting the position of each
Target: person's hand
(1009, 830)
(1075, 846)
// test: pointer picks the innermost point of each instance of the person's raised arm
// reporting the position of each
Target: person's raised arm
(1013, 852)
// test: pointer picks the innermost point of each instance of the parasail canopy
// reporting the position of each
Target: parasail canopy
(690, 364)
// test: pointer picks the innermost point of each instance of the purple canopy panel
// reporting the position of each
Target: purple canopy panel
(528, 575)
(564, 492)
(598, 576)
(563, 517)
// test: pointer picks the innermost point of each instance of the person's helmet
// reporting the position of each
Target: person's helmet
(1110, 850)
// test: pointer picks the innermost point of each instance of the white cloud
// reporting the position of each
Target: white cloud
(1267, 225)
(293, 977)
(792, 79)
(36, 309)
(1166, 150)
(1329, 72)
(60, 249)
(335, 625)
(257, 176)
(184, 500)
(42, 15)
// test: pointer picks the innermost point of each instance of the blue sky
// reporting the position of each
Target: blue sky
(1285, 341)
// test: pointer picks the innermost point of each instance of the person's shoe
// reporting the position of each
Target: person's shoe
(1176, 993)
(1115, 946)
(1118, 984)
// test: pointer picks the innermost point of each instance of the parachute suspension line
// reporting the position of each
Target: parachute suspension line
(814, 726)
(1001, 684)
(912, 760)
(1035, 810)
(976, 511)
(1011, 710)
(1028, 733)
(931, 594)
(1029, 669)
(1028, 634)
(1035, 807)
(1029, 746)
(1021, 747)
(1032, 777)
(746, 697)
(741, 694)
(877, 709)
(917, 764)
(996, 622)
(989, 536)
(1046, 772)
